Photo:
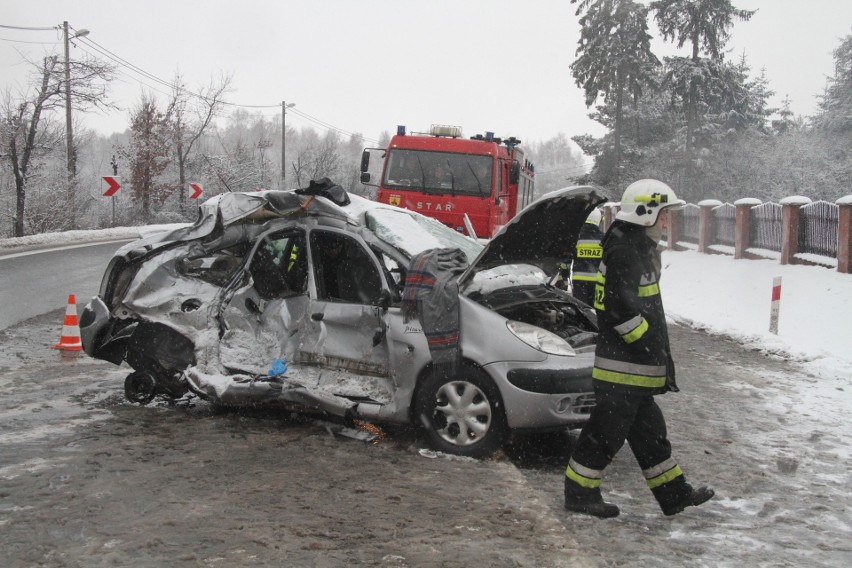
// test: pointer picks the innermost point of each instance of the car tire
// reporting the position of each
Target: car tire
(140, 387)
(462, 415)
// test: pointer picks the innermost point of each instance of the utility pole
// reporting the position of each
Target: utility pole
(71, 158)
(69, 137)
(284, 107)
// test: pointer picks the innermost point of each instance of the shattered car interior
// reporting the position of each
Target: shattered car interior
(312, 280)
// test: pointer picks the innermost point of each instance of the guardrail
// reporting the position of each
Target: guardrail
(794, 231)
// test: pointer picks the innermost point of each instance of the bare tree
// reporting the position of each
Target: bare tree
(317, 160)
(192, 114)
(27, 131)
(149, 155)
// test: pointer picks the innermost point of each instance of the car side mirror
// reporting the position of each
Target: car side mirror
(365, 163)
(365, 177)
(514, 172)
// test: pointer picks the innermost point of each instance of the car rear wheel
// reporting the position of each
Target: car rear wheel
(140, 387)
(463, 414)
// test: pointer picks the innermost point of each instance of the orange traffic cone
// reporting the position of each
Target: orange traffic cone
(70, 339)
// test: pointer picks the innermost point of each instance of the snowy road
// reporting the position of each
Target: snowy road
(87, 479)
(771, 439)
(37, 281)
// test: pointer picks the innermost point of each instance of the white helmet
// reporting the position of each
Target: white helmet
(594, 217)
(644, 199)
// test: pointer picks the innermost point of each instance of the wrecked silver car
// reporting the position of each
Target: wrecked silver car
(296, 299)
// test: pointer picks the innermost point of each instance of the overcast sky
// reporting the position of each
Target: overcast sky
(366, 66)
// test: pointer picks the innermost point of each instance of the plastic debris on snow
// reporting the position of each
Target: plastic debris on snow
(345, 431)
(279, 367)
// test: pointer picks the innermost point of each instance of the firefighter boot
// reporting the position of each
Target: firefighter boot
(675, 497)
(587, 501)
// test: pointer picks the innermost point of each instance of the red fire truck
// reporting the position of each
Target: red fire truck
(445, 176)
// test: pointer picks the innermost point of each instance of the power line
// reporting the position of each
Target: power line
(35, 42)
(120, 61)
(29, 29)
(124, 63)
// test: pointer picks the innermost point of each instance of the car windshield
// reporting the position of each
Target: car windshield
(413, 234)
(439, 172)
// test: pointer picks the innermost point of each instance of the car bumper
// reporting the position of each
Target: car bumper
(549, 394)
(94, 319)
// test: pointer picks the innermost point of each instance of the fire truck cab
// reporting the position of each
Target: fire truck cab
(473, 185)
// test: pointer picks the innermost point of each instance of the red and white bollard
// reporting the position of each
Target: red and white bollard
(776, 305)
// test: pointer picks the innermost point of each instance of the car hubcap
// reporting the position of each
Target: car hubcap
(462, 413)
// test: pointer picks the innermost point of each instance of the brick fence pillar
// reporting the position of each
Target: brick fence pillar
(705, 223)
(790, 211)
(844, 234)
(609, 212)
(742, 225)
(674, 223)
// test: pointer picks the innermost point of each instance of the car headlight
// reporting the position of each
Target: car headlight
(540, 339)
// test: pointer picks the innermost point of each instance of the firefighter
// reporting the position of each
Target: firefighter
(584, 270)
(632, 363)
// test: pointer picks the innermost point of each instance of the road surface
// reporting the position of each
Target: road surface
(38, 281)
(87, 479)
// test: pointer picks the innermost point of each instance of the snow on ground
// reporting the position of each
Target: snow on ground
(71, 238)
(734, 297)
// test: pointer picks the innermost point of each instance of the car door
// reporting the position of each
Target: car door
(408, 351)
(345, 327)
(263, 313)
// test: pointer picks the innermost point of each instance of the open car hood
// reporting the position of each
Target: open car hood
(544, 234)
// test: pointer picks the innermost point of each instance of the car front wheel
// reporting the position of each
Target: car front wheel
(463, 414)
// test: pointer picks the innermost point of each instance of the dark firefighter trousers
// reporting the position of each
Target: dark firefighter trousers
(636, 418)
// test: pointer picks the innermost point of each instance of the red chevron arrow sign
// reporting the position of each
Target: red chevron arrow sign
(196, 188)
(113, 186)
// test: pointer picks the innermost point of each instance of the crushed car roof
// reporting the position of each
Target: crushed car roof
(543, 234)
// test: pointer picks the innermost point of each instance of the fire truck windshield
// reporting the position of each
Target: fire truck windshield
(439, 172)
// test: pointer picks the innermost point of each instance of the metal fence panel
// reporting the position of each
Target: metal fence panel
(766, 227)
(689, 218)
(818, 229)
(724, 221)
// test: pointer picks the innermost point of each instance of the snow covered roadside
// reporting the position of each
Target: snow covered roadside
(733, 298)
(65, 238)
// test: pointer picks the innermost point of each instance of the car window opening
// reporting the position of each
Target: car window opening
(343, 269)
(280, 267)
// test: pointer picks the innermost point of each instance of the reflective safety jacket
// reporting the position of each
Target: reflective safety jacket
(632, 352)
(588, 256)
(584, 268)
